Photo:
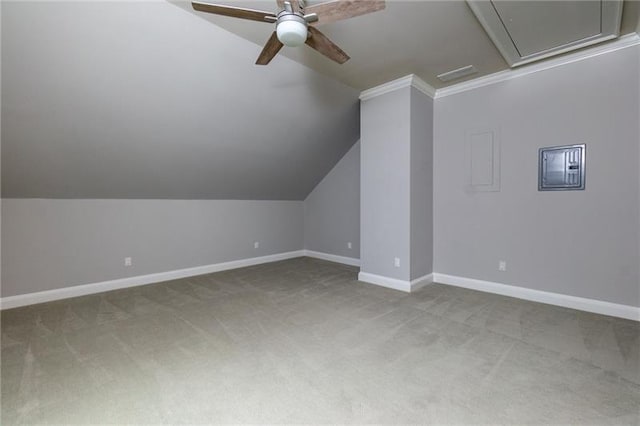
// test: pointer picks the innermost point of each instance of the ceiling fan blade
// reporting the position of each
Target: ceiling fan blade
(343, 9)
(322, 44)
(235, 12)
(270, 50)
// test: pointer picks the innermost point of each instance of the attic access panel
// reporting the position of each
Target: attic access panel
(527, 31)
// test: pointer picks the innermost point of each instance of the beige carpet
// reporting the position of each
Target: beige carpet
(301, 341)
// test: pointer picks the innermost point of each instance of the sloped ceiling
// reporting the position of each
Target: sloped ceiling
(154, 100)
(422, 37)
(146, 100)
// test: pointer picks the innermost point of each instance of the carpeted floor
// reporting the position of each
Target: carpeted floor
(301, 341)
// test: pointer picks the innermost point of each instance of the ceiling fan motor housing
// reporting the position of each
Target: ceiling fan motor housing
(291, 28)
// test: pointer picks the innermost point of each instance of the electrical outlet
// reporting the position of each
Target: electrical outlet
(502, 265)
(396, 262)
(128, 261)
(349, 245)
(256, 244)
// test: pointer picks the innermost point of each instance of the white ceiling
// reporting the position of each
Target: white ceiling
(425, 38)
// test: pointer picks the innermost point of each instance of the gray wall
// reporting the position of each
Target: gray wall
(581, 243)
(421, 221)
(385, 184)
(49, 244)
(332, 209)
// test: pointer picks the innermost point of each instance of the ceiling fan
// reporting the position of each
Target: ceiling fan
(295, 23)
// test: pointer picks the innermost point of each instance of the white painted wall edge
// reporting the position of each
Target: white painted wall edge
(573, 302)
(396, 284)
(85, 289)
(332, 257)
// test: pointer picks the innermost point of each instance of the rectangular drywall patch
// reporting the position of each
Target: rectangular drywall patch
(483, 160)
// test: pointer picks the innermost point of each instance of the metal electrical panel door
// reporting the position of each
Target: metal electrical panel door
(561, 168)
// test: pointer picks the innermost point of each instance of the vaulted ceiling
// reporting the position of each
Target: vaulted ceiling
(145, 100)
(155, 100)
(421, 37)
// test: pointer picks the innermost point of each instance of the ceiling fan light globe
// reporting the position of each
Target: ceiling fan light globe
(292, 33)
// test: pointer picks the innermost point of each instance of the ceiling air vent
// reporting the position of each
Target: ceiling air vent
(459, 73)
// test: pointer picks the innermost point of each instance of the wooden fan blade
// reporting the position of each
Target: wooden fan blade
(343, 9)
(235, 12)
(270, 50)
(322, 44)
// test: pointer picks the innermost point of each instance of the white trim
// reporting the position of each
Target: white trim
(394, 283)
(387, 87)
(332, 257)
(573, 302)
(410, 80)
(385, 281)
(82, 290)
(623, 42)
(423, 86)
(423, 281)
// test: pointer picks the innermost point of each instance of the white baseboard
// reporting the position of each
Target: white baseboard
(82, 290)
(396, 284)
(423, 281)
(580, 303)
(332, 257)
(573, 302)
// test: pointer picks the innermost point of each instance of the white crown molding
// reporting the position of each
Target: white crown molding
(623, 42)
(85, 289)
(573, 302)
(332, 257)
(410, 80)
(387, 87)
(423, 86)
(396, 284)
